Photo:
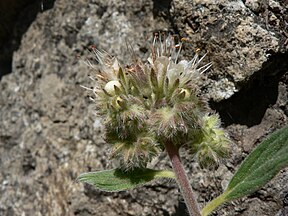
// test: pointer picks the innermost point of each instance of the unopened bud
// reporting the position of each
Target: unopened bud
(118, 103)
(184, 93)
(111, 87)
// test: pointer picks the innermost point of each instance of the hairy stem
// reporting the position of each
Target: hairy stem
(182, 180)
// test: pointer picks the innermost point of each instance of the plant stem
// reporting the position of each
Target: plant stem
(182, 180)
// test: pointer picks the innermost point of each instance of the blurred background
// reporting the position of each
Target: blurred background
(49, 133)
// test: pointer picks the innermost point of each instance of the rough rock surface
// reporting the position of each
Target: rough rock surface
(48, 131)
(16, 17)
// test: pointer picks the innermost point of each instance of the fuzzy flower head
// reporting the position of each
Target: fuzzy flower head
(146, 104)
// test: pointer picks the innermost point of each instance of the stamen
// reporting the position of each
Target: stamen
(207, 66)
(197, 50)
(99, 56)
(89, 64)
(184, 39)
(201, 59)
(193, 60)
(92, 99)
(178, 53)
(90, 77)
(86, 88)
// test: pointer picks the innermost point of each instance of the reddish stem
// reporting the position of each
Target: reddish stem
(182, 180)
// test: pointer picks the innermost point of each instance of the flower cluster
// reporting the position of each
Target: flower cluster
(147, 104)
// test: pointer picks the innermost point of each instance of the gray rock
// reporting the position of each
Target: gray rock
(49, 133)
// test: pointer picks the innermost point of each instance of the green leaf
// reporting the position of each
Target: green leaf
(261, 165)
(118, 180)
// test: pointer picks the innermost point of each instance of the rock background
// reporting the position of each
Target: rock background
(48, 131)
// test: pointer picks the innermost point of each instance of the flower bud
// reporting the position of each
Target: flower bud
(118, 103)
(212, 143)
(184, 93)
(111, 87)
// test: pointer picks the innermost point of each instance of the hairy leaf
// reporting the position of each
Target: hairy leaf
(118, 180)
(261, 165)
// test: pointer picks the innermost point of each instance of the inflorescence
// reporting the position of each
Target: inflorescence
(146, 104)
